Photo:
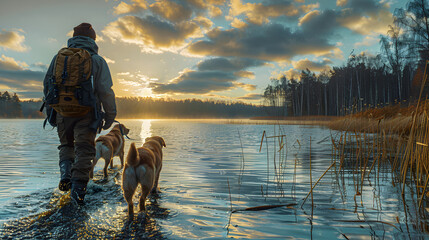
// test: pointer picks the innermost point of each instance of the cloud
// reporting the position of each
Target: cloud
(312, 65)
(237, 23)
(259, 13)
(13, 40)
(245, 74)
(230, 65)
(341, 3)
(211, 75)
(41, 66)
(270, 42)
(108, 60)
(197, 82)
(172, 11)
(321, 23)
(204, 22)
(151, 33)
(15, 77)
(367, 41)
(303, 64)
(135, 83)
(214, 11)
(290, 74)
(308, 16)
(70, 33)
(366, 16)
(309, 7)
(361, 16)
(10, 64)
(135, 7)
(123, 74)
(247, 87)
(373, 23)
(251, 96)
(52, 40)
(336, 53)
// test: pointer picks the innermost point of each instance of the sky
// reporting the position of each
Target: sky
(204, 49)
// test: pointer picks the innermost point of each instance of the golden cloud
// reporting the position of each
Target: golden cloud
(124, 8)
(312, 65)
(373, 23)
(245, 74)
(151, 33)
(204, 22)
(247, 87)
(251, 96)
(172, 11)
(212, 75)
(258, 13)
(10, 64)
(308, 16)
(214, 11)
(309, 7)
(336, 53)
(108, 60)
(15, 76)
(13, 40)
(270, 42)
(237, 23)
(291, 74)
(341, 3)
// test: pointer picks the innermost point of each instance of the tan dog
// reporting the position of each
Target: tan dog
(110, 145)
(141, 168)
(155, 144)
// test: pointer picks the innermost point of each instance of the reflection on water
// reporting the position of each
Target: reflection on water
(208, 169)
(146, 129)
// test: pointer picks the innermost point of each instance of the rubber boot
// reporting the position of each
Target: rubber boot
(78, 191)
(65, 172)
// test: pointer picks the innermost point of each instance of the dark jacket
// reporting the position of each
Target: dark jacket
(100, 70)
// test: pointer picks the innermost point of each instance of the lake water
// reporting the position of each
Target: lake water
(209, 168)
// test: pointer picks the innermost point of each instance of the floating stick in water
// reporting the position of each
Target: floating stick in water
(264, 207)
(262, 140)
(317, 183)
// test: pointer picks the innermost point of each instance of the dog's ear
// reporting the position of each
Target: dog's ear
(162, 142)
(125, 129)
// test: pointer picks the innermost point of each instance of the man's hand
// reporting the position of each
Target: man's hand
(108, 123)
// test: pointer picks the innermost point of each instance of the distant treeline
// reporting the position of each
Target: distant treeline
(146, 107)
(12, 107)
(359, 85)
(391, 77)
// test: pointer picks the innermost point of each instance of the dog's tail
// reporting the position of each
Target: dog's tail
(133, 157)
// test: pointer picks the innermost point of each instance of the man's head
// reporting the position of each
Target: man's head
(84, 29)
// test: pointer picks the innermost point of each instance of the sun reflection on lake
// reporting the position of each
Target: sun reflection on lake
(146, 129)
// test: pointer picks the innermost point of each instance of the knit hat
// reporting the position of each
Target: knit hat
(84, 29)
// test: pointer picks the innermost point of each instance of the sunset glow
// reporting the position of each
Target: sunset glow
(191, 49)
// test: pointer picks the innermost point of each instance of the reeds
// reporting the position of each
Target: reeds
(391, 136)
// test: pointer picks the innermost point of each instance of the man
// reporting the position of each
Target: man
(77, 134)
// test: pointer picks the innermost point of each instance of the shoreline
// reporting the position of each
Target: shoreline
(244, 121)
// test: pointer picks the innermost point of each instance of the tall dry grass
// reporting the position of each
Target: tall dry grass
(398, 136)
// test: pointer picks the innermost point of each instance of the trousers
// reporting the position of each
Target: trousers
(77, 144)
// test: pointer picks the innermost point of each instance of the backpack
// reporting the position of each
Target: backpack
(71, 87)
